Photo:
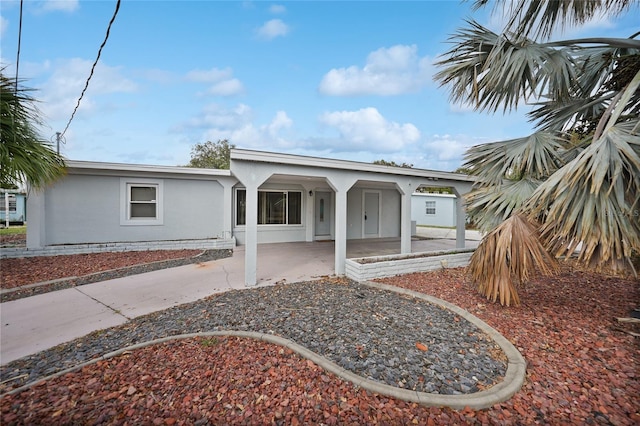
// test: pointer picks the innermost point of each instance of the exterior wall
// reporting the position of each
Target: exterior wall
(389, 212)
(87, 209)
(20, 215)
(445, 209)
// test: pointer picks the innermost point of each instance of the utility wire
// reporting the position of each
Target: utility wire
(93, 67)
(15, 106)
(19, 43)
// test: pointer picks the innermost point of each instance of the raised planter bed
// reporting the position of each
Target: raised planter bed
(368, 268)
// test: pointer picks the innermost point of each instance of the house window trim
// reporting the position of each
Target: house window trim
(430, 208)
(13, 202)
(125, 202)
(272, 225)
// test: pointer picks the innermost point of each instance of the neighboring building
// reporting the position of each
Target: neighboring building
(15, 203)
(433, 209)
(265, 197)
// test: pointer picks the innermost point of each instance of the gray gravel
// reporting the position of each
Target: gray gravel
(368, 331)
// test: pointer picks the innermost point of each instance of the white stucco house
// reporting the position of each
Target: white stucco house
(264, 197)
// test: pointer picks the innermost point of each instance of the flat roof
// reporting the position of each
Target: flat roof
(302, 160)
(76, 165)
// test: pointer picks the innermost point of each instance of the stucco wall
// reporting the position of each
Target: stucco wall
(389, 214)
(86, 209)
(445, 209)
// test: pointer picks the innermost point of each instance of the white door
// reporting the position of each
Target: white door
(371, 214)
(323, 214)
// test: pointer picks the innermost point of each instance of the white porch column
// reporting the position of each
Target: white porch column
(406, 191)
(341, 230)
(251, 237)
(461, 220)
(309, 218)
(36, 229)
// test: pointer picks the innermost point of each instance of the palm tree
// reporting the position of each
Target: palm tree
(573, 185)
(24, 155)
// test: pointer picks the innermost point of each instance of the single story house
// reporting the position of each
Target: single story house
(13, 207)
(264, 197)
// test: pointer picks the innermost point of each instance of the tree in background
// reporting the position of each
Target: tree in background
(24, 155)
(392, 164)
(574, 183)
(425, 189)
(210, 155)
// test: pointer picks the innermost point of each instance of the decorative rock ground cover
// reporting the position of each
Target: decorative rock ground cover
(582, 366)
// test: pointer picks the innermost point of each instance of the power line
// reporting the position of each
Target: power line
(19, 43)
(93, 67)
(13, 116)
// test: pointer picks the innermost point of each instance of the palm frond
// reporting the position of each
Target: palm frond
(496, 72)
(592, 203)
(489, 206)
(542, 17)
(508, 257)
(536, 156)
(24, 155)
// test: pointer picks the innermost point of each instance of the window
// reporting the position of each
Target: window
(141, 202)
(12, 202)
(430, 207)
(274, 207)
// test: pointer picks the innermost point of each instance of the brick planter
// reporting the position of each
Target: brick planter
(368, 268)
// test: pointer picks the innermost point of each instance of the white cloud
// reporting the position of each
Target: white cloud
(277, 9)
(60, 93)
(388, 71)
(226, 88)
(272, 29)
(214, 75)
(280, 121)
(446, 152)
(237, 125)
(4, 24)
(221, 118)
(58, 5)
(367, 129)
(223, 82)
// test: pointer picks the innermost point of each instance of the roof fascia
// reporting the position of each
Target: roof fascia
(83, 167)
(301, 160)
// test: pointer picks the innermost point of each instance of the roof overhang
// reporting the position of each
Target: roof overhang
(95, 167)
(327, 163)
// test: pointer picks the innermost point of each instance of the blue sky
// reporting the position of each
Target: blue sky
(347, 80)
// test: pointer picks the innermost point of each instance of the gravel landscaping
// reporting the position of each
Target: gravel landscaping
(582, 365)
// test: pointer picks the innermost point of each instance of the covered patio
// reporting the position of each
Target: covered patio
(303, 261)
(358, 201)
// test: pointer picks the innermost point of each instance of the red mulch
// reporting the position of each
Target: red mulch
(582, 369)
(28, 270)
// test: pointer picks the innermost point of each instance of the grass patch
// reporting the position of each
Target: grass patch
(209, 342)
(13, 230)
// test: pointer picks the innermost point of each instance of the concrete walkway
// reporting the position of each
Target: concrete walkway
(36, 323)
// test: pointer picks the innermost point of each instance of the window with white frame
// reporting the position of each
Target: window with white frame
(430, 207)
(274, 207)
(141, 202)
(12, 202)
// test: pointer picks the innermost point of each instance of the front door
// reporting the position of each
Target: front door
(323, 214)
(371, 215)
